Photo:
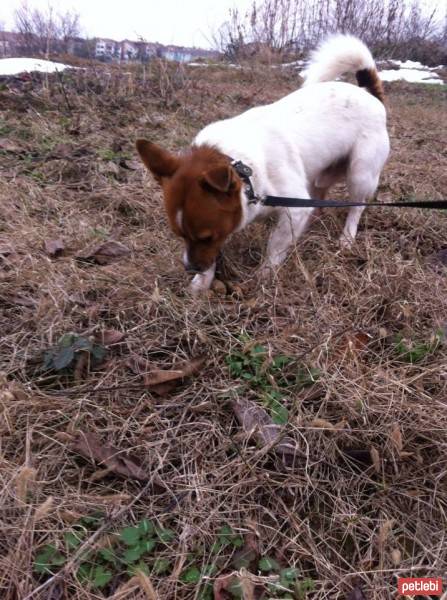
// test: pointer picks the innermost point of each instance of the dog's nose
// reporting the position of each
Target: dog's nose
(193, 269)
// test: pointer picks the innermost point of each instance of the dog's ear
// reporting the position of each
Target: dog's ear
(219, 178)
(160, 163)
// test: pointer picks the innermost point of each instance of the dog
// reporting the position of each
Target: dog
(298, 146)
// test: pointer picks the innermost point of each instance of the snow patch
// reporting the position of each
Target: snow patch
(14, 66)
(412, 75)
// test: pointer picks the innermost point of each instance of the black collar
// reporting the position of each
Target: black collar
(245, 172)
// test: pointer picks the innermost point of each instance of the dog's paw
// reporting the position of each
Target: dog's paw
(201, 283)
(346, 242)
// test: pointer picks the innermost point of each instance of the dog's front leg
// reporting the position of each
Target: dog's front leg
(202, 281)
(291, 224)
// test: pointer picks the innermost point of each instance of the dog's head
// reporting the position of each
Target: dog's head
(202, 198)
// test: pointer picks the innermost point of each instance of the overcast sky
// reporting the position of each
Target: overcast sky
(183, 22)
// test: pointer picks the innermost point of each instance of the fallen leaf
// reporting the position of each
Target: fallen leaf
(24, 300)
(80, 370)
(219, 287)
(375, 457)
(9, 146)
(91, 446)
(104, 253)
(110, 336)
(54, 247)
(356, 594)
(396, 438)
(257, 422)
(322, 424)
(248, 554)
(396, 557)
(221, 584)
(351, 343)
(131, 165)
(109, 167)
(384, 531)
(56, 591)
(439, 259)
(6, 249)
(44, 509)
(163, 381)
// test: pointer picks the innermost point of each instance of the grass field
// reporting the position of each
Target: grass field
(121, 481)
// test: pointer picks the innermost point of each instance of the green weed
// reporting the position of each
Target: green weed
(269, 377)
(133, 552)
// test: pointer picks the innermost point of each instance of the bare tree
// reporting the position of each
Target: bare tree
(281, 28)
(45, 31)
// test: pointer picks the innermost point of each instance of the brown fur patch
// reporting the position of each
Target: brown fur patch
(369, 79)
(202, 198)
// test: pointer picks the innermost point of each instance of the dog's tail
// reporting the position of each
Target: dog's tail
(341, 54)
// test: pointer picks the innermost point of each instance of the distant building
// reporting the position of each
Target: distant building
(9, 42)
(183, 54)
(104, 49)
(129, 50)
(107, 49)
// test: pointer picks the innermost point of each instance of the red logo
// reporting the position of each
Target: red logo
(414, 586)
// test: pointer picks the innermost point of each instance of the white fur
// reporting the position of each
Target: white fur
(179, 219)
(338, 54)
(289, 144)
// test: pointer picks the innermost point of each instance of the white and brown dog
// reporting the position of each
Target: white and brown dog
(296, 147)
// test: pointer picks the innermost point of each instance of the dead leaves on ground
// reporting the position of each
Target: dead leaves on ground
(104, 253)
(257, 422)
(356, 594)
(351, 344)
(54, 247)
(438, 260)
(109, 337)
(90, 446)
(164, 381)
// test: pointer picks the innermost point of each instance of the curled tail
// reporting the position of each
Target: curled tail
(340, 54)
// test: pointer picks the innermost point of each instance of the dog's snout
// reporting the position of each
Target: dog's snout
(191, 268)
(190, 265)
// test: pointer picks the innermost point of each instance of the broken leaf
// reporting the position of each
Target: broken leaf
(110, 336)
(439, 259)
(396, 438)
(91, 446)
(104, 253)
(352, 344)
(257, 422)
(54, 247)
(356, 594)
(384, 530)
(396, 556)
(375, 458)
(69, 347)
(163, 381)
(247, 555)
(9, 146)
(322, 424)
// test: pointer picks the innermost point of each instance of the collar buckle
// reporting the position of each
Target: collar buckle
(245, 172)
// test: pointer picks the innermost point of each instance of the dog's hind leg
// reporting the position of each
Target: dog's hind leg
(363, 179)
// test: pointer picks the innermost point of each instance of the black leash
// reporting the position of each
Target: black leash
(310, 203)
(245, 172)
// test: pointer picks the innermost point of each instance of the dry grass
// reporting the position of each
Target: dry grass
(336, 521)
